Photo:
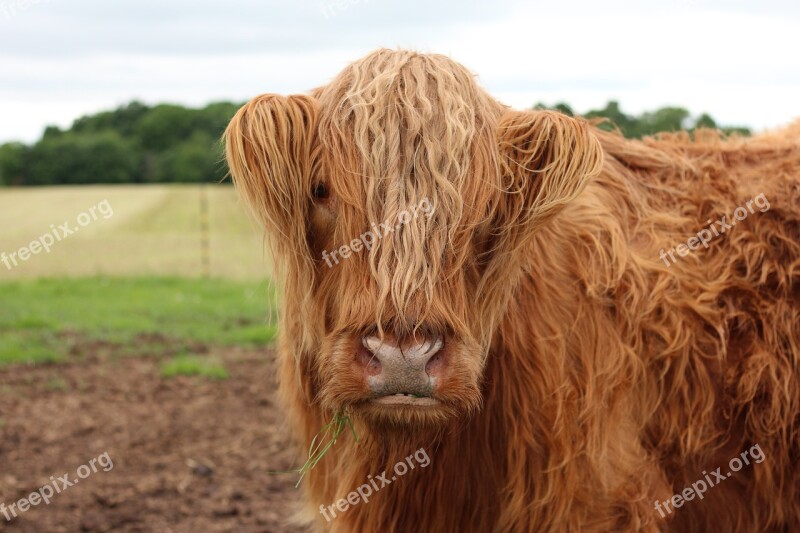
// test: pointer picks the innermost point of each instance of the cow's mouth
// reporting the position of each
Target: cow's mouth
(402, 398)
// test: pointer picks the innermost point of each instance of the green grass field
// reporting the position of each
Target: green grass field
(42, 320)
(132, 283)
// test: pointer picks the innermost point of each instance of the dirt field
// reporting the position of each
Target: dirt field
(189, 454)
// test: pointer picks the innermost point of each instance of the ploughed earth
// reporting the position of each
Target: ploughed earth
(188, 453)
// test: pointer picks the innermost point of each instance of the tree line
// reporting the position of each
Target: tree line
(134, 143)
(650, 122)
(137, 143)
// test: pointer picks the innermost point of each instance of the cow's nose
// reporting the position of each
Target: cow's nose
(405, 368)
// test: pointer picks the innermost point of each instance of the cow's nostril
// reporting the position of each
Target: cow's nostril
(368, 361)
(418, 353)
(435, 364)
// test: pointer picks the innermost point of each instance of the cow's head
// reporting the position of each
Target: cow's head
(399, 200)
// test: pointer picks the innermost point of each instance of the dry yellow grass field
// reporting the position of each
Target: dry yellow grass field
(154, 230)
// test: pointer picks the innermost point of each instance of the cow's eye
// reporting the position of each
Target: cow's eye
(320, 191)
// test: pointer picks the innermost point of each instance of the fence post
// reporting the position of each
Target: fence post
(205, 241)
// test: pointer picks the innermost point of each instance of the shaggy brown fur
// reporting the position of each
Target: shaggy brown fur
(587, 379)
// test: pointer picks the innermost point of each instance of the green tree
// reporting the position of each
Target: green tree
(164, 126)
(616, 119)
(124, 120)
(664, 119)
(13, 160)
(197, 159)
(74, 158)
(214, 118)
(561, 107)
(705, 121)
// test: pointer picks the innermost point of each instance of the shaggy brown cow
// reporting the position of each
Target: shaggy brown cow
(579, 329)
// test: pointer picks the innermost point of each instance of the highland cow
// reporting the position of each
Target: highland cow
(528, 332)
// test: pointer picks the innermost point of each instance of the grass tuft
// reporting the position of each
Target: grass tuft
(56, 384)
(193, 365)
(322, 442)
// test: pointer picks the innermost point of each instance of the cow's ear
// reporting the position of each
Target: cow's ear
(546, 159)
(270, 145)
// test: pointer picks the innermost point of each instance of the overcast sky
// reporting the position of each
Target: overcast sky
(738, 60)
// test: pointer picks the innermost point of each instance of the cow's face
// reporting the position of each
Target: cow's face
(399, 200)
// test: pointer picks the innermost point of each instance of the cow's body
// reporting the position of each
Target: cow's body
(613, 378)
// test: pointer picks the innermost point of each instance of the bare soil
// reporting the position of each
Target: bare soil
(189, 454)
